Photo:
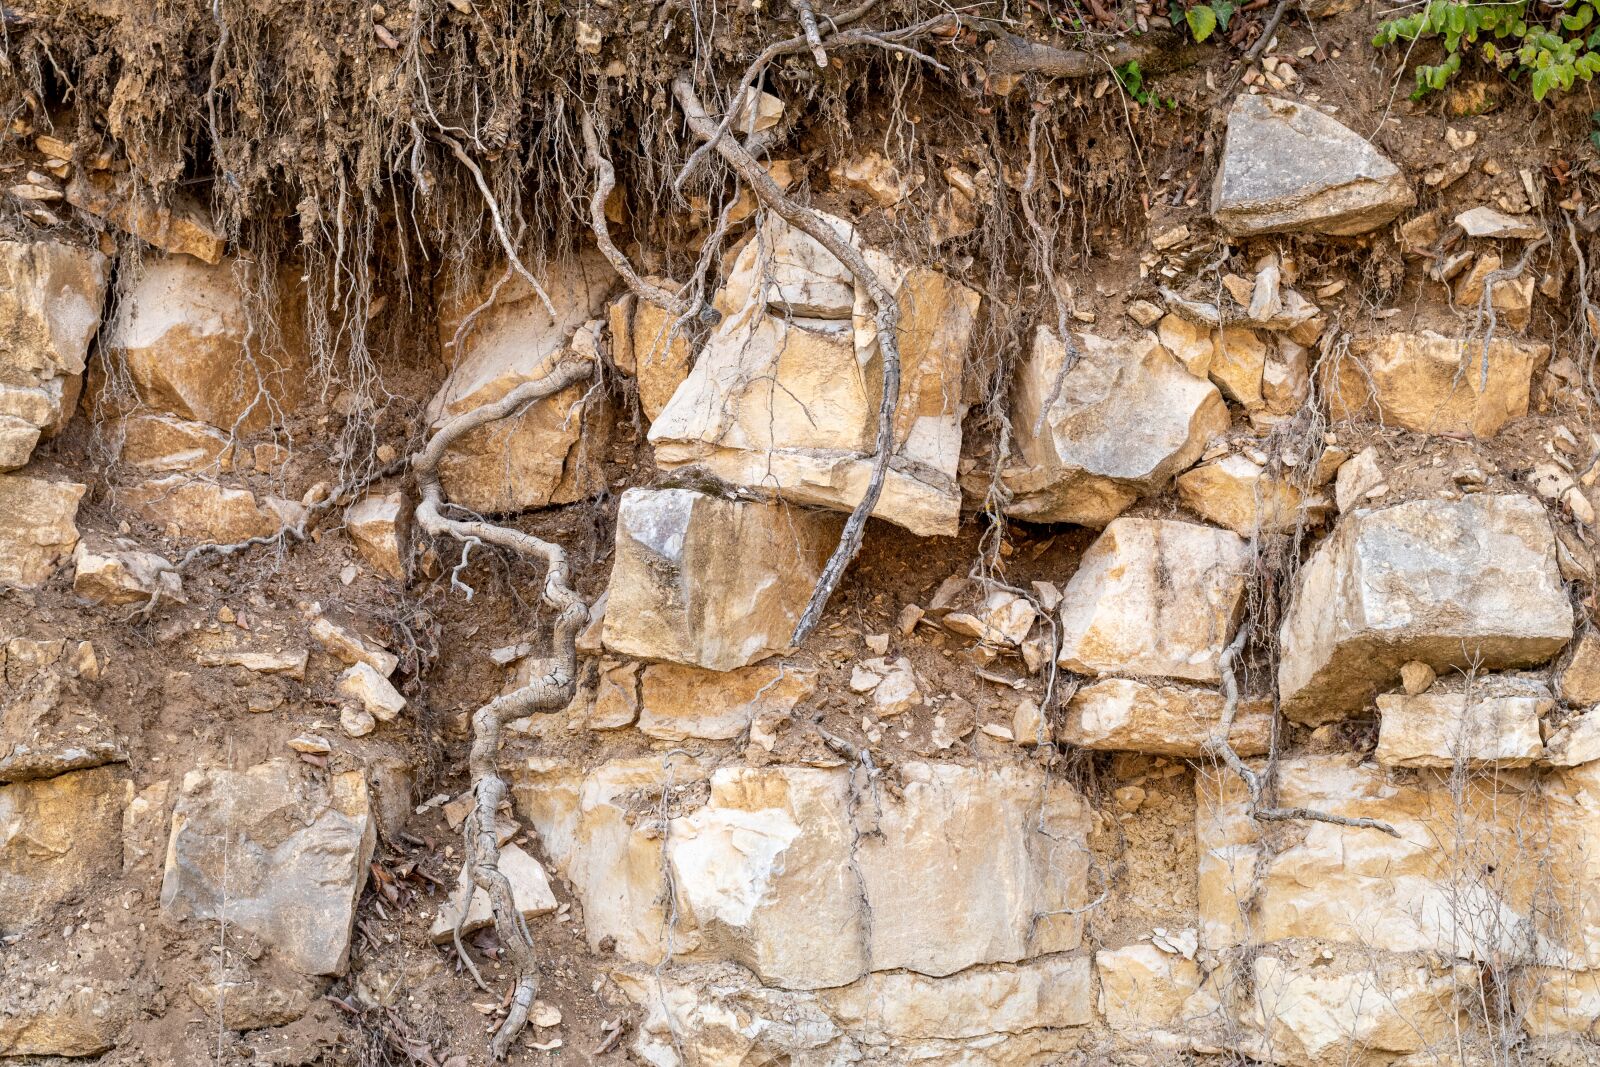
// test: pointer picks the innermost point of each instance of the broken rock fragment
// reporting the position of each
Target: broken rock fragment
(1122, 714)
(530, 893)
(679, 702)
(1489, 723)
(708, 582)
(278, 852)
(196, 510)
(380, 526)
(37, 527)
(1154, 597)
(785, 396)
(1237, 492)
(1118, 425)
(1428, 383)
(1288, 168)
(1467, 583)
(120, 573)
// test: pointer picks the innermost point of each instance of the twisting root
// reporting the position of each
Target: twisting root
(808, 25)
(549, 690)
(605, 180)
(1219, 747)
(887, 318)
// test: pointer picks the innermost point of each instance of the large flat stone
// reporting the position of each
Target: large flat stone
(275, 851)
(1485, 725)
(1450, 583)
(709, 582)
(1154, 597)
(1121, 714)
(38, 527)
(1117, 426)
(1288, 168)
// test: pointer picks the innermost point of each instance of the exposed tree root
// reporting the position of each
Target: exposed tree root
(808, 24)
(605, 180)
(550, 689)
(887, 318)
(1219, 747)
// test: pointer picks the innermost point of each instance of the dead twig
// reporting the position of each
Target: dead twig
(886, 318)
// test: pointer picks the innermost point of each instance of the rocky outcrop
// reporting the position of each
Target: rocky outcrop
(50, 300)
(550, 452)
(784, 397)
(711, 583)
(280, 854)
(1154, 597)
(1468, 583)
(1490, 723)
(1288, 168)
(1115, 425)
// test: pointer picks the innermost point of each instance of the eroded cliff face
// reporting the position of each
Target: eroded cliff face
(1217, 680)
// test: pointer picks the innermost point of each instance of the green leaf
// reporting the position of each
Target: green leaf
(1202, 21)
(1224, 10)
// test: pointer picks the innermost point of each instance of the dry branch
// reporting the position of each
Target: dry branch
(549, 689)
(887, 318)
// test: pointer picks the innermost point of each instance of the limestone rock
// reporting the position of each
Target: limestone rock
(240, 996)
(71, 1001)
(550, 452)
(1487, 222)
(644, 344)
(893, 684)
(1358, 476)
(167, 443)
(1053, 991)
(372, 691)
(1447, 583)
(121, 573)
(1144, 988)
(1553, 1002)
(1239, 365)
(1154, 597)
(711, 583)
(1480, 728)
(1288, 168)
(1575, 742)
(181, 340)
(380, 526)
(1120, 714)
(1579, 680)
(50, 301)
(205, 511)
(179, 226)
(290, 662)
(616, 697)
(530, 892)
(58, 836)
(1309, 1017)
(48, 726)
(1237, 492)
(37, 527)
(784, 398)
(1428, 383)
(352, 648)
(1003, 619)
(282, 854)
(683, 702)
(1120, 424)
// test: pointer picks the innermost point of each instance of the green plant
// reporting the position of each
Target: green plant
(1131, 78)
(1206, 19)
(1557, 46)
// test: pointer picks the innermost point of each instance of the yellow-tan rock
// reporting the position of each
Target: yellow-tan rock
(678, 702)
(1484, 725)
(1122, 714)
(180, 225)
(711, 583)
(1120, 424)
(1451, 584)
(166, 443)
(1237, 492)
(197, 510)
(647, 343)
(1154, 597)
(380, 526)
(57, 835)
(38, 527)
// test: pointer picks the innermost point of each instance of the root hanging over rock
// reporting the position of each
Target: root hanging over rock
(549, 690)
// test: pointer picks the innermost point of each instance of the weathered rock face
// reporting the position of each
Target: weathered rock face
(530, 893)
(196, 510)
(37, 527)
(1120, 714)
(677, 703)
(1118, 425)
(550, 453)
(280, 854)
(1237, 492)
(1144, 988)
(166, 443)
(711, 583)
(777, 873)
(57, 836)
(785, 396)
(182, 226)
(1154, 597)
(48, 724)
(184, 344)
(50, 300)
(1447, 583)
(1288, 168)
(1487, 724)
(71, 1001)
(647, 343)
(1432, 384)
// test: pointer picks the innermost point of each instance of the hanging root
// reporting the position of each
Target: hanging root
(808, 25)
(1219, 747)
(550, 690)
(605, 180)
(887, 318)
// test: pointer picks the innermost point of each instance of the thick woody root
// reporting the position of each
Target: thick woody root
(1219, 747)
(550, 690)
